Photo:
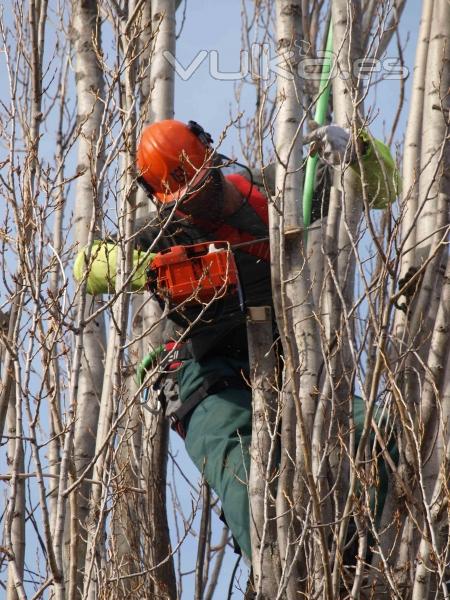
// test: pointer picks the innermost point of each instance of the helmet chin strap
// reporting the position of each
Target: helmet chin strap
(145, 186)
(230, 161)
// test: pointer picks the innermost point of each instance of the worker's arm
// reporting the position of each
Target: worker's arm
(100, 270)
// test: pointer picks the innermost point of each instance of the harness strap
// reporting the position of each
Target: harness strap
(212, 384)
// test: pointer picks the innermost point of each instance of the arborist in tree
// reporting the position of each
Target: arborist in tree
(205, 286)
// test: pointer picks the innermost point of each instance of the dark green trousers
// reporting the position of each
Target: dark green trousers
(218, 436)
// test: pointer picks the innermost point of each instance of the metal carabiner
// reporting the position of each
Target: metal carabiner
(145, 402)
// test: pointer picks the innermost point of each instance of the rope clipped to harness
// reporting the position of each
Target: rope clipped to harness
(170, 358)
(165, 360)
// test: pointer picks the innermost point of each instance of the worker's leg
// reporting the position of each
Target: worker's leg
(218, 436)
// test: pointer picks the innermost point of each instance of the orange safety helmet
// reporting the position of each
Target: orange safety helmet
(173, 159)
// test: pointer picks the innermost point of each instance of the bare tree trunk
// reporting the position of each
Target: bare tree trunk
(15, 513)
(434, 195)
(89, 81)
(55, 289)
(412, 150)
(162, 87)
(114, 371)
(125, 531)
(16, 460)
(203, 542)
(289, 545)
(125, 535)
(434, 175)
(409, 232)
(263, 373)
(347, 107)
(434, 210)
(433, 486)
(157, 548)
(291, 280)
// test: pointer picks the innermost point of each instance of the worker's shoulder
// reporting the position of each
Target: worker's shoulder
(263, 179)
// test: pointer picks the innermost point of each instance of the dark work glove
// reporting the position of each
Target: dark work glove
(410, 287)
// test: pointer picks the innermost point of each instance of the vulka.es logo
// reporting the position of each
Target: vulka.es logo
(259, 63)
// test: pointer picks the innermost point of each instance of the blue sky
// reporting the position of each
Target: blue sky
(215, 26)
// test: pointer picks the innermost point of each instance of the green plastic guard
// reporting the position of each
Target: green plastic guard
(319, 117)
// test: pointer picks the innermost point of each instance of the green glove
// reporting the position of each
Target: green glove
(382, 177)
(101, 278)
(147, 363)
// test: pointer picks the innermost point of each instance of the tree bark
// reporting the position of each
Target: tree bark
(162, 87)
(157, 103)
(89, 90)
(263, 449)
(113, 384)
(16, 460)
(347, 110)
(291, 279)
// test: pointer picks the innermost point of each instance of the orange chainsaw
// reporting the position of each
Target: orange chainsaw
(194, 274)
